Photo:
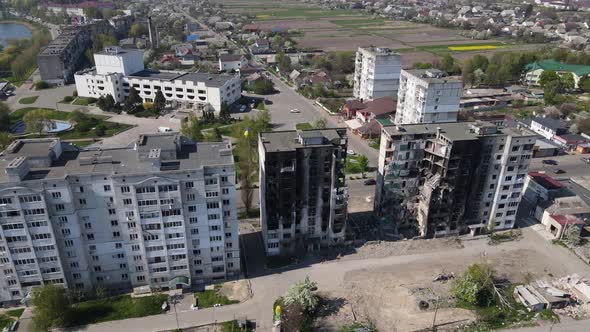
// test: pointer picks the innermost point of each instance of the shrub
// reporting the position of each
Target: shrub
(91, 100)
(40, 85)
(75, 94)
(101, 130)
(476, 286)
(68, 99)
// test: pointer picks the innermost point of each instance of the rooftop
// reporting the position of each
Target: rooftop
(279, 141)
(456, 131)
(117, 161)
(230, 57)
(378, 50)
(59, 44)
(433, 76)
(545, 180)
(579, 70)
(214, 80)
(550, 123)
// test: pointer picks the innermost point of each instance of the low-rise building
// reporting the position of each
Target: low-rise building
(549, 128)
(540, 187)
(160, 213)
(232, 62)
(118, 70)
(535, 69)
(303, 192)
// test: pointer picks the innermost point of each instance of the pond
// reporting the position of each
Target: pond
(54, 127)
(10, 31)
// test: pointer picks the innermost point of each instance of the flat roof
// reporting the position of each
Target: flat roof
(119, 161)
(545, 181)
(214, 80)
(423, 75)
(279, 141)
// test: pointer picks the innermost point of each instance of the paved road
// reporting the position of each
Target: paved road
(571, 164)
(288, 99)
(267, 286)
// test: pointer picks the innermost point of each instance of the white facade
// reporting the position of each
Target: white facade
(425, 96)
(377, 73)
(232, 62)
(118, 70)
(120, 218)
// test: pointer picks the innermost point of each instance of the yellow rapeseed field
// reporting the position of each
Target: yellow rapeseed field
(472, 47)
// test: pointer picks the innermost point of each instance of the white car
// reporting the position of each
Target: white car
(294, 110)
(350, 152)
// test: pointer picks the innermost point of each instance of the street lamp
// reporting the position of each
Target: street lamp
(174, 299)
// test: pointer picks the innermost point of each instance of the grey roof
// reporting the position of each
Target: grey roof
(214, 80)
(119, 161)
(230, 57)
(423, 75)
(456, 131)
(550, 123)
(61, 42)
(280, 141)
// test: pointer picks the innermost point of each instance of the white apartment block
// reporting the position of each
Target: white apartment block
(452, 178)
(426, 96)
(377, 73)
(117, 70)
(159, 214)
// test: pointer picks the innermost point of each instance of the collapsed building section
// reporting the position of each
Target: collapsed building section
(450, 178)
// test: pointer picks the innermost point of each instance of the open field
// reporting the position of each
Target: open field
(346, 30)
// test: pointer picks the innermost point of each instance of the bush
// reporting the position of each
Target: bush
(40, 85)
(68, 99)
(101, 130)
(75, 94)
(91, 100)
(476, 286)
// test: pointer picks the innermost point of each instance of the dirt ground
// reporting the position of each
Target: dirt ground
(388, 296)
(236, 290)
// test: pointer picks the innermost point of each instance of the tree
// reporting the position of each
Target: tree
(92, 13)
(37, 120)
(363, 164)
(137, 30)
(447, 63)
(40, 85)
(476, 286)
(584, 83)
(106, 103)
(263, 87)
(568, 82)
(571, 235)
(552, 91)
(51, 307)
(159, 102)
(283, 62)
(224, 115)
(191, 128)
(583, 126)
(4, 117)
(422, 65)
(132, 101)
(302, 294)
(548, 76)
(5, 140)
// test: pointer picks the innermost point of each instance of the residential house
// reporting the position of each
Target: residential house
(261, 46)
(547, 127)
(232, 62)
(535, 69)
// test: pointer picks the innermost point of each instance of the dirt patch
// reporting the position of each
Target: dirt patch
(339, 43)
(409, 58)
(236, 290)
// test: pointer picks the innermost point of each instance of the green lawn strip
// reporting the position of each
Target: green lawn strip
(233, 326)
(303, 126)
(116, 308)
(111, 129)
(5, 321)
(16, 313)
(28, 100)
(83, 101)
(208, 298)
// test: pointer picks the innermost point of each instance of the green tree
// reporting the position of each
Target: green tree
(92, 13)
(548, 76)
(568, 82)
(363, 164)
(263, 87)
(51, 307)
(159, 102)
(5, 140)
(4, 117)
(422, 65)
(284, 63)
(571, 236)
(302, 294)
(552, 91)
(137, 30)
(584, 83)
(132, 101)
(583, 125)
(191, 128)
(224, 115)
(106, 103)
(37, 120)
(476, 286)
(447, 63)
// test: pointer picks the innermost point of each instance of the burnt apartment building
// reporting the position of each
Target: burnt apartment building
(60, 59)
(451, 178)
(303, 192)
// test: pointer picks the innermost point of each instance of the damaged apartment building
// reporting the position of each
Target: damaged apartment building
(451, 178)
(303, 192)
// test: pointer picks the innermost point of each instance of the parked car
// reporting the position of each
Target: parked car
(294, 110)
(549, 162)
(558, 171)
(369, 182)
(350, 152)
(586, 160)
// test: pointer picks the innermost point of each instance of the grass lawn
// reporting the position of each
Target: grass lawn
(110, 128)
(83, 101)
(28, 100)
(303, 126)
(233, 326)
(374, 143)
(16, 313)
(116, 308)
(209, 298)
(5, 321)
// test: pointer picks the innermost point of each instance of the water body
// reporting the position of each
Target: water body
(10, 31)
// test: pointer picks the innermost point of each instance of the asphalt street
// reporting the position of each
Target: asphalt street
(571, 164)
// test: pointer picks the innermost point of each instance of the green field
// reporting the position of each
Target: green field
(116, 308)
(308, 13)
(28, 100)
(83, 144)
(83, 101)
(208, 298)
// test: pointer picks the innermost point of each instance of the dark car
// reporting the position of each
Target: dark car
(558, 171)
(586, 160)
(369, 182)
(549, 162)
